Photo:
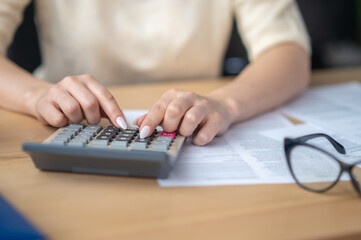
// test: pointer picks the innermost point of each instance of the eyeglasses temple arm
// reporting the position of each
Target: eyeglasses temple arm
(334, 143)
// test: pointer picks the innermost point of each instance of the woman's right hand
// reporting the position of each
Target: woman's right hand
(76, 98)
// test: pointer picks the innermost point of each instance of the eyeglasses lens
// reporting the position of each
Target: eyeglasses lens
(314, 169)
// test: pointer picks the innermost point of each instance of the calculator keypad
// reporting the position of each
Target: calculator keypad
(112, 137)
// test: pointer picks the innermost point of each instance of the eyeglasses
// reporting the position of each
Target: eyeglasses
(316, 169)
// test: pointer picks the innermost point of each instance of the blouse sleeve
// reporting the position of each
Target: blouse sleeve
(266, 23)
(11, 13)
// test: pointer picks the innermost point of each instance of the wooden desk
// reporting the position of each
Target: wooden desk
(79, 206)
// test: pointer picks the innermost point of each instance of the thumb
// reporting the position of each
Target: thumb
(140, 120)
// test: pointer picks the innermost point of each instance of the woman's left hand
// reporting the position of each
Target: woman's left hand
(189, 113)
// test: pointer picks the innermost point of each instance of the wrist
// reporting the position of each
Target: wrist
(230, 105)
(32, 97)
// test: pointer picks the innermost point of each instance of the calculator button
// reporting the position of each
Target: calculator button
(111, 129)
(65, 139)
(110, 134)
(69, 131)
(165, 140)
(160, 147)
(119, 144)
(88, 136)
(80, 139)
(123, 134)
(168, 134)
(104, 137)
(80, 144)
(100, 143)
(93, 128)
(126, 139)
(139, 145)
(58, 142)
(130, 131)
(146, 140)
(87, 133)
(76, 127)
(65, 135)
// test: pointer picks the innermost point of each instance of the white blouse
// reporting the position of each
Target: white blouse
(131, 41)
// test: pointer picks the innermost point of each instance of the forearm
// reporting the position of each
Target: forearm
(18, 88)
(278, 75)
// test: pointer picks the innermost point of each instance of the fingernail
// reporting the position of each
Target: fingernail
(121, 122)
(144, 132)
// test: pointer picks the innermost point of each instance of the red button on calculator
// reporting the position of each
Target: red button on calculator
(168, 134)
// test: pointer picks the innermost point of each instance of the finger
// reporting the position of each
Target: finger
(68, 105)
(176, 110)
(103, 114)
(209, 130)
(191, 120)
(106, 101)
(51, 114)
(156, 115)
(88, 102)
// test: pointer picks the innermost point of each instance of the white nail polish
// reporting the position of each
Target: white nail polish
(121, 122)
(144, 132)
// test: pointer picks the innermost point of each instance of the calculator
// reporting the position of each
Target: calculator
(107, 150)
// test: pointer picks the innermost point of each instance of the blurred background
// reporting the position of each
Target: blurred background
(334, 27)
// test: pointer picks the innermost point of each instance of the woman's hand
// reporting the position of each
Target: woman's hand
(76, 98)
(188, 113)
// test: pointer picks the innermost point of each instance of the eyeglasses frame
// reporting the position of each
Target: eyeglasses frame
(291, 143)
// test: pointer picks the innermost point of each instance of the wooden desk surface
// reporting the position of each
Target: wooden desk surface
(79, 206)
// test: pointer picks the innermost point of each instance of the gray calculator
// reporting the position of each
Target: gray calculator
(107, 150)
